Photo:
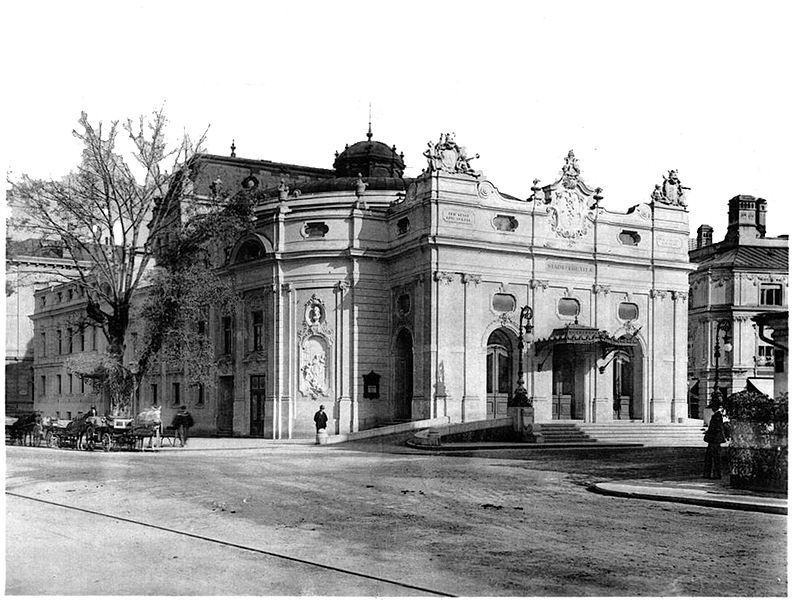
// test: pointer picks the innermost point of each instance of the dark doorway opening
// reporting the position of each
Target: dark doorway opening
(257, 405)
(225, 406)
(404, 376)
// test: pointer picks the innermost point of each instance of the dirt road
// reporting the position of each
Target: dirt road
(502, 524)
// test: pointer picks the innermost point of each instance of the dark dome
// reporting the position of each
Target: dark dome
(370, 159)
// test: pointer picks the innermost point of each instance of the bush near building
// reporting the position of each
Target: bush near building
(759, 434)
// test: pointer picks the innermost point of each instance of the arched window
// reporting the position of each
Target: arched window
(250, 250)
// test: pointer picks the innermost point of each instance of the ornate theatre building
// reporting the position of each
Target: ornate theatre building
(390, 299)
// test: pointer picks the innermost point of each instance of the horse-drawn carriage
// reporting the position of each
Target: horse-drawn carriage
(104, 432)
(25, 430)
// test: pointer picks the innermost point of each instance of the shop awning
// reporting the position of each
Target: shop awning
(763, 385)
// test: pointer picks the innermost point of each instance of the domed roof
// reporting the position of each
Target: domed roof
(369, 158)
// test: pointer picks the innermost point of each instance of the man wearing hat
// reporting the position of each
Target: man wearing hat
(715, 436)
(320, 418)
(182, 422)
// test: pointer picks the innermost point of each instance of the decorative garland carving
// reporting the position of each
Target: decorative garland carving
(444, 276)
(656, 293)
(538, 283)
(471, 278)
(315, 339)
(601, 289)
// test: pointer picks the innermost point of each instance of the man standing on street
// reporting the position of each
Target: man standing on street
(714, 437)
(182, 423)
(320, 419)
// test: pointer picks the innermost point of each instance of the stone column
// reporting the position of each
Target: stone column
(347, 407)
(473, 409)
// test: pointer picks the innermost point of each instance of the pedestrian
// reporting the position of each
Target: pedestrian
(715, 436)
(320, 419)
(182, 422)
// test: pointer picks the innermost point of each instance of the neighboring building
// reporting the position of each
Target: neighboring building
(392, 299)
(31, 264)
(735, 280)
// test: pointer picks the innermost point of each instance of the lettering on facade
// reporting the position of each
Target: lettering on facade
(577, 268)
(458, 216)
(669, 242)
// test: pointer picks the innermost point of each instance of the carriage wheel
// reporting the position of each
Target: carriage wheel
(88, 438)
(107, 442)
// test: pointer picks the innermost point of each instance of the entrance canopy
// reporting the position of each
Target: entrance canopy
(583, 335)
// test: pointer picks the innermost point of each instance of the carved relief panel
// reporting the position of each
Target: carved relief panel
(315, 357)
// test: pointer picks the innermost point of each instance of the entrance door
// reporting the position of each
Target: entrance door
(622, 387)
(225, 406)
(500, 374)
(257, 405)
(404, 376)
(564, 405)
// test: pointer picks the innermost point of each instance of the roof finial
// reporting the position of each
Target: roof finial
(369, 134)
(233, 148)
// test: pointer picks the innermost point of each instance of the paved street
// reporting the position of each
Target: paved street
(373, 519)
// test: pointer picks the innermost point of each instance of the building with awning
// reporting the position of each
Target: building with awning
(736, 281)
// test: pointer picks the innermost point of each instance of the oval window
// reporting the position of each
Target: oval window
(629, 238)
(503, 303)
(568, 307)
(628, 311)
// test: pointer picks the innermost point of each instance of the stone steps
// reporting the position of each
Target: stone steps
(648, 434)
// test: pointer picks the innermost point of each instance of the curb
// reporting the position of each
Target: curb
(680, 496)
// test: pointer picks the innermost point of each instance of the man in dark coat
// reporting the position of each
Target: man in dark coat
(182, 422)
(320, 418)
(715, 436)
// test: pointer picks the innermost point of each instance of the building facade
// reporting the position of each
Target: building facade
(735, 280)
(392, 299)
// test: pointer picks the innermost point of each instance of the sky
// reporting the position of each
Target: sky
(634, 88)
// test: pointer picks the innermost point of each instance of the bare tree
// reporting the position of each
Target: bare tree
(113, 216)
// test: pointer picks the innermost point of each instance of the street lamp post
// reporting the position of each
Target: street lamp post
(520, 397)
(724, 325)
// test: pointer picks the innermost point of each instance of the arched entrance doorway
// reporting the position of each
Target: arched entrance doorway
(501, 373)
(403, 373)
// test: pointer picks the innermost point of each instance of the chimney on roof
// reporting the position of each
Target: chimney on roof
(747, 216)
(704, 236)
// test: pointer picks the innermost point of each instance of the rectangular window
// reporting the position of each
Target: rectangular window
(258, 330)
(70, 340)
(228, 335)
(764, 356)
(60, 341)
(43, 391)
(770, 295)
(71, 384)
(59, 386)
(93, 338)
(199, 395)
(68, 415)
(82, 339)
(43, 344)
(176, 393)
(82, 385)
(154, 395)
(779, 360)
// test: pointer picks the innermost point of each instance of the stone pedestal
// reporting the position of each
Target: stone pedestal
(602, 410)
(321, 436)
(543, 409)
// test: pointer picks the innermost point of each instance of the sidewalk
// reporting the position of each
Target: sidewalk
(705, 492)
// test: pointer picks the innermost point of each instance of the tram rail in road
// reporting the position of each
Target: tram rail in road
(293, 559)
